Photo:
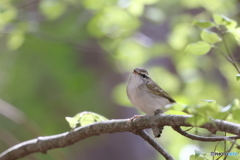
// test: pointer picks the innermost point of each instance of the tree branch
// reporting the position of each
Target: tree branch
(43, 144)
(201, 138)
(155, 145)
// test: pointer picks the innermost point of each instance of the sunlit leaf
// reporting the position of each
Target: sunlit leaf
(130, 54)
(197, 120)
(203, 23)
(175, 112)
(147, 2)
(97, 5)
(136, 9)
(236, 34)
(236, 113)
(221, 115)
(112, 25)
(234, 104)
(179, 36)
(72, 121)
(193, 157)
(198, 48)
(198, 153)
(15, 40)
(52, 9)
(238, 77)
(90, 117)
(175, 106)
(210, 108)
(7, 13)
(84, 118)
(210, 37)
(235, 109)
(223, 20)
(209, 101)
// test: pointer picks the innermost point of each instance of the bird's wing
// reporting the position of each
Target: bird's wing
(155, 89)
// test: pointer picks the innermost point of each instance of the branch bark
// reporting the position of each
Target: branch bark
(155, 145)
(43, 144)
(204, 139)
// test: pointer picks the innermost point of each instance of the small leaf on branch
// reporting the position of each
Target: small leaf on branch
(84, 118)
(175, 112)
(193, 157)
(235, 109)
(210, 37)
(203, 23)
(72, 121)
(197, 120)
(199, 153)
(198, 48)
(238, 77)
(233, 105)
(225, 21)
(176, 109)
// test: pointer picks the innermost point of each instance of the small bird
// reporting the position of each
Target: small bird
(145, 94)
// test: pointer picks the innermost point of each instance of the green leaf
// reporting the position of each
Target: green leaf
(175, 106)
(198, 153)
(175, 112)
(238, 77)
(17, 37)
(198, 48)
(15, 40)
(84, 118)
(223, 20)
(90, 117)
(203, 23)
(234, 104)
(236, 113)
(52, 9)
(193, 157)
(210, 108)
(209, 101)
(7, 12)
(72, 121)
(176, 109)
(236, 34)
(210, 37)
(235, 109)
(221, 115)
(197, 120)
(136, 9)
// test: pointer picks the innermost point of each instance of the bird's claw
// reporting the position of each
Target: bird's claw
(134, 117)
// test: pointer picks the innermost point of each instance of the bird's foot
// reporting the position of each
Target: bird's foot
(158, 111)
(134, 117)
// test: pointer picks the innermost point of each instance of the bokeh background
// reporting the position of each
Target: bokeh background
(62, 57)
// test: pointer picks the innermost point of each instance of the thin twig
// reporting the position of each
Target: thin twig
(201, 138)
(229, 52)
(154, 144)
(223, 54)
(188, 129)
(225, 143)
(215, 148)
(229, 150)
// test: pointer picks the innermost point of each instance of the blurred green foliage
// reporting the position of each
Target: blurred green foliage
(62, 57)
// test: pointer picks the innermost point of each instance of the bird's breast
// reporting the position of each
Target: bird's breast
(144, 100)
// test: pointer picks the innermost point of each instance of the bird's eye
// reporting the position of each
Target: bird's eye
(144, 76)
